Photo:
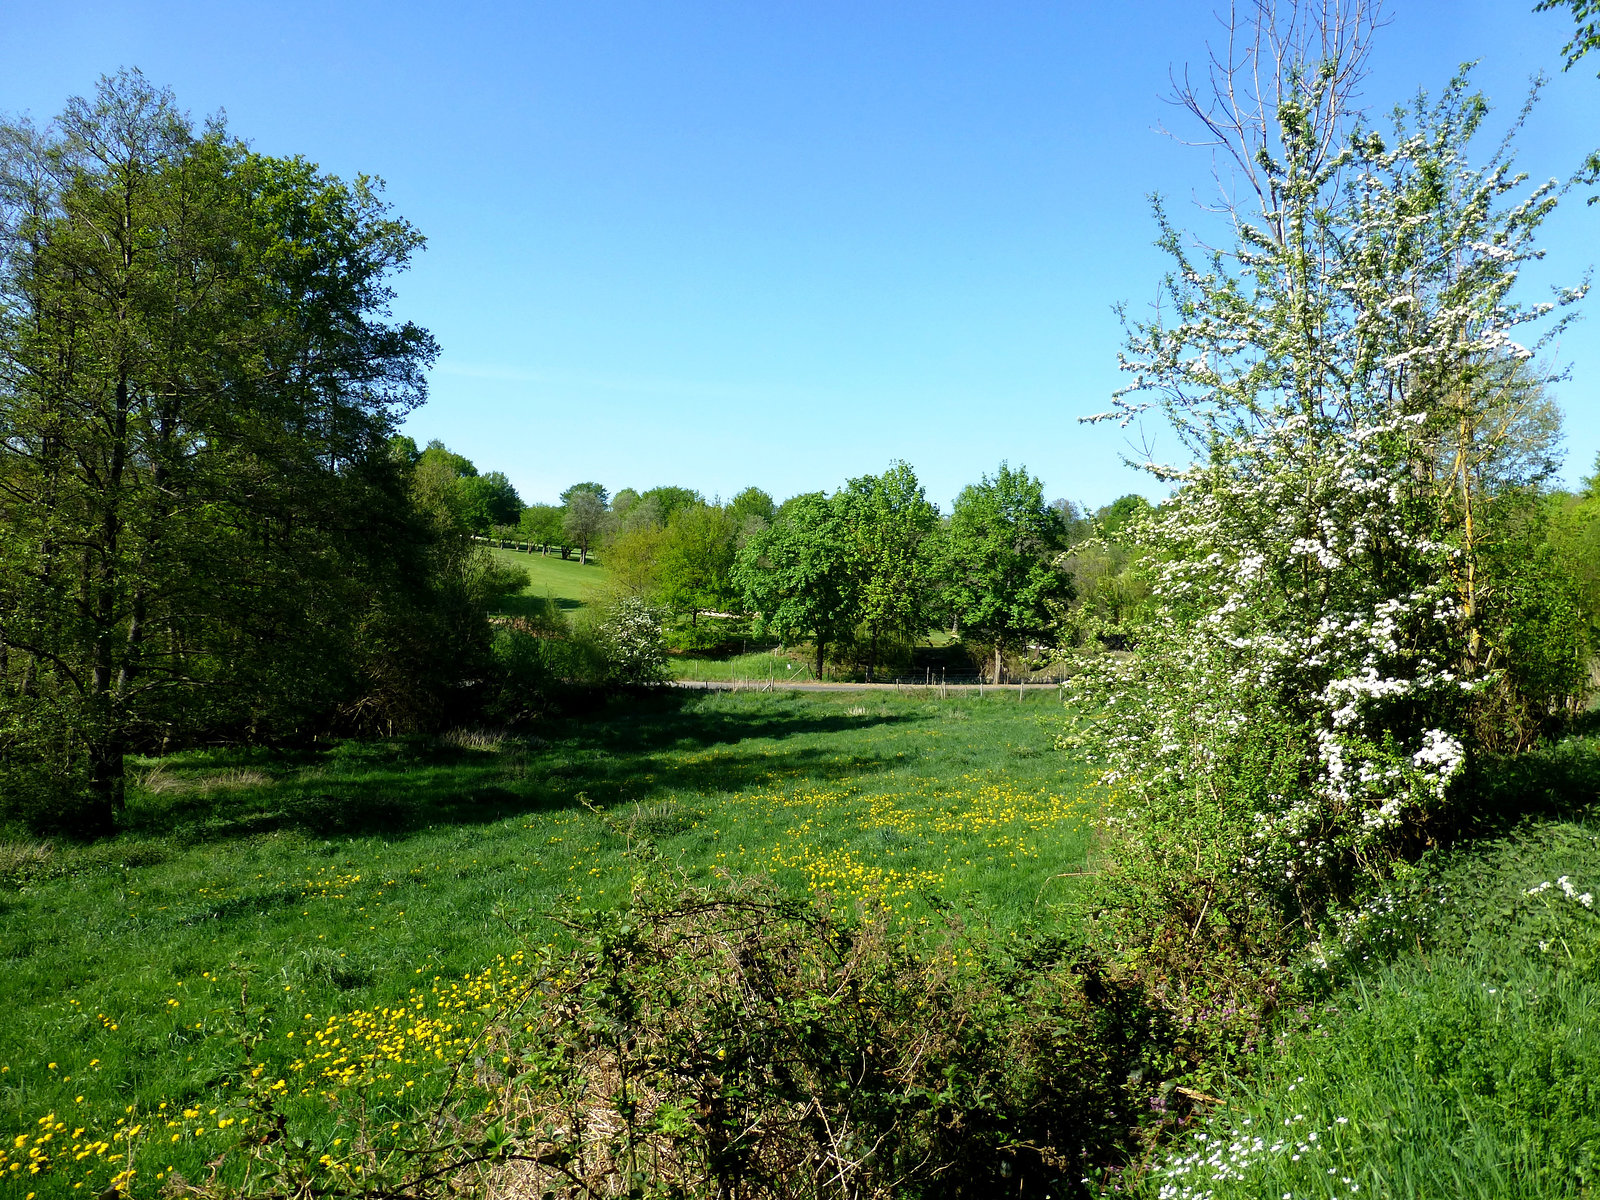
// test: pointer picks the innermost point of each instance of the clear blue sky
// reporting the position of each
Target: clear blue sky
(779, 243)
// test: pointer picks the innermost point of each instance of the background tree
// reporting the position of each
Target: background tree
(621, 503)
(797, 577)
(480, 502)
(633, 559)
(541, 525)
(197, 384)
(695, 559)
(594, 489)
(585, 518)
(891, 527)
(752, 511)
(664, 501)
(489, 501)
(1108, 582)
(1004, 586)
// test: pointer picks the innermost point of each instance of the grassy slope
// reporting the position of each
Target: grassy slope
(1461, 1054)
(571, 586)
(343, 879)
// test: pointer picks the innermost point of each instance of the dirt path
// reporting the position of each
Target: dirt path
(775, 685)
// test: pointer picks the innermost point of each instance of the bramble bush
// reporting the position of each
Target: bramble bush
(700, 1041)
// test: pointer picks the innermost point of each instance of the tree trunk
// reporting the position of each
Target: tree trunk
(583, 556)
(820, 658)
(998, 666)
(105, 783)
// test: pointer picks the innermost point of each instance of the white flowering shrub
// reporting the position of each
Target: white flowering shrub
(1349, 376)
(636, 645)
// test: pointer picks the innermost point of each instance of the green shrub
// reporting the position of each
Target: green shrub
(733, 1040)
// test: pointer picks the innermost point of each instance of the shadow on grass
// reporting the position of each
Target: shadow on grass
(1556, 782)
(629, 750)
(534, 606)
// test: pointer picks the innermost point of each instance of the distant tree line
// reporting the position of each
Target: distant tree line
(863, 574)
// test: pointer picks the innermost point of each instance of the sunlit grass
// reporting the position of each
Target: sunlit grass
(550, 577)
(350, 914)
(1461, 1059)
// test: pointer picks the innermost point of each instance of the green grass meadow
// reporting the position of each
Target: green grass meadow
(293, 900)
(564, 582)
(1456, 1052)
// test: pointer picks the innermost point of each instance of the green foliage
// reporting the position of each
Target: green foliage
(201, 381)
(752, 509)
(1573, 532)
(797, 577)
(693, 561)
(1005, 588)
(1109, 584)
(479, 503)
(584, 519)
(891, 532)
(666, 500)
(1533, 616)
(702, 1039)
(490, 501)
(594, 489)
(541, 525)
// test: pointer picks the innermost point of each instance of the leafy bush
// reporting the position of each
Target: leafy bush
(733, 1040)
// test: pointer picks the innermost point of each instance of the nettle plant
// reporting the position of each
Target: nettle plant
(1356, 385)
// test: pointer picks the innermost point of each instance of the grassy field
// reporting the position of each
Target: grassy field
(364, 894)
(761, 667)
(550, 577)
(1456, 1053)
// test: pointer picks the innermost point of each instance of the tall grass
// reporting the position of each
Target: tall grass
(1458, 1056)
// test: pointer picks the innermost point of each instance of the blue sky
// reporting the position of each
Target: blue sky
(780, 243)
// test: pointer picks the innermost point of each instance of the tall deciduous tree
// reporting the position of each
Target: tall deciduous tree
(585, 519)
(695, 559)
(197, 384)
(891, 527)
(490, 500)
(1344, 371)
(1004, 585)
(796, 576)
(541, 524)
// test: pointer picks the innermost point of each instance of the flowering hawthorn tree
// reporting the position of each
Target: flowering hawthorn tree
(635, 644)
(1350, 376)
